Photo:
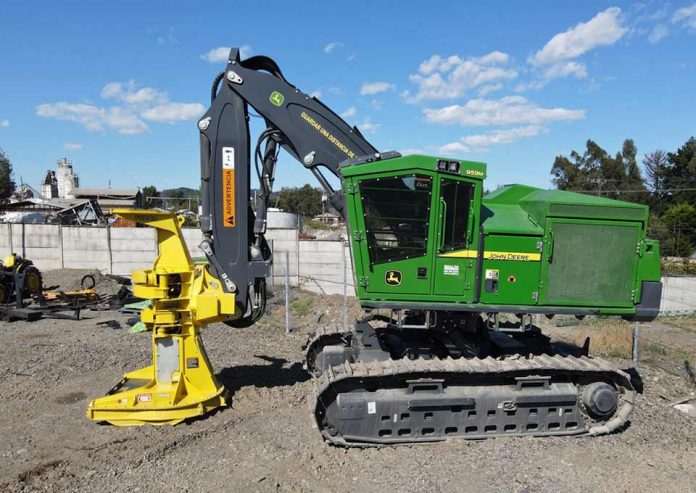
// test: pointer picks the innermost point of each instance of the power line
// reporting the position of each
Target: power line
(644, 190)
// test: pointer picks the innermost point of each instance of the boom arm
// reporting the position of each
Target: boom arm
(308, 130)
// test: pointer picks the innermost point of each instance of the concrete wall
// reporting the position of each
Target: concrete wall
(315, 265)
(678, 294)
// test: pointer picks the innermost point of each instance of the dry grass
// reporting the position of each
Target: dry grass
(685, 323)
(613, 337)
(607, 337)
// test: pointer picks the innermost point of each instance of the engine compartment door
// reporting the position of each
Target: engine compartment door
(591, 262)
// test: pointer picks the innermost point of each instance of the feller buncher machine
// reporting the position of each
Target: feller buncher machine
(436, 263)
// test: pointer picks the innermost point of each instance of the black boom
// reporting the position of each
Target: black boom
(309, 131)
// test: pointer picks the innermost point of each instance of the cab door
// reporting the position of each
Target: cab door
(395, 239)
(456, 246)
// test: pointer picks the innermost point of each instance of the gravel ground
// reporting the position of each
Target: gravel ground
(49, 370)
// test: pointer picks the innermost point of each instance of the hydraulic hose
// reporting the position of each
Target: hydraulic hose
(216, 83)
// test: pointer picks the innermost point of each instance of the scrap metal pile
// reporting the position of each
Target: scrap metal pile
(24, 297)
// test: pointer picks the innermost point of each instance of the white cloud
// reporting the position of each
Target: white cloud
(650, 20)
(72, 147)
(376, 104)
(603, 29)
(368, 127)
(245, 51)
(452, 77)
(128, 116)
(127, 93)
(91, 117)
(336, 90)
(4, 123)
(481, 142)
(657, 33)
(555, 71)
(174, 112)
(331, 47)
(414, 150)
(686, 16)
(221, 54)
(112, 90)
(556, 59)
(489, 88)
(316, 94)
(565, 69)
(508, 110)
(453, 148)
(351, 57)
(167, 37)
(125, 121)
(349, 112)
(505, 136)
(372, 88)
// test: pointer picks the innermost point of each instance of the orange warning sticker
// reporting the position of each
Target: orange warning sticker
(228, 195)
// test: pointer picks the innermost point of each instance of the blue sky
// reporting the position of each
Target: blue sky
(117, 86)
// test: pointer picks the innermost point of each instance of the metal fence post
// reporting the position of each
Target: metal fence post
(345, 287)
(634, 352)
(9, 233)
(272, 263)
(109, 251)
(24, 246)
(297, 246)
(62, 250)
(287, 292)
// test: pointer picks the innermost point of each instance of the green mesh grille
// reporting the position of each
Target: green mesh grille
(592, 264)
(578, 210)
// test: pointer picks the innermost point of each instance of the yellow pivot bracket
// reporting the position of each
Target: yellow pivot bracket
(180, 383)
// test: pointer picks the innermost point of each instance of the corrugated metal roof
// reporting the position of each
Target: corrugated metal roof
(33, 204)
(107, 192)
(114, 203)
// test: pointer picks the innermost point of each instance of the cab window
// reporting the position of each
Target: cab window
(396, 212)
(456, 200)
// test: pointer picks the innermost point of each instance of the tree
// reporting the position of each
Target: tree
(7, 184)
(305, 200)
(567, 175)
(679, 221)
(150, 191)
(680, 173)
(632, 180)
(655, 164)
(176, 205)
(671, 177)
(598, 172)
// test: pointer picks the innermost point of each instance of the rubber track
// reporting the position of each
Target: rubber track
(515, 364)
(327, 333)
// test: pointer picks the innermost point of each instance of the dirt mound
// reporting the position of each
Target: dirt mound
(70, 280)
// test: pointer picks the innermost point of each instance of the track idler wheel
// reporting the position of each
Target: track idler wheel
(600, 399)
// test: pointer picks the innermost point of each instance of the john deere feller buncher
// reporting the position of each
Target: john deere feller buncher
(435, 264)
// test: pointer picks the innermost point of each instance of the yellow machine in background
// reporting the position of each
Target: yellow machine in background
(19, 279)
(180, 383)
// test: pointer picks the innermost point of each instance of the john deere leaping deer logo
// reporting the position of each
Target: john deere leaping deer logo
(276, 98)
(392, 277)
